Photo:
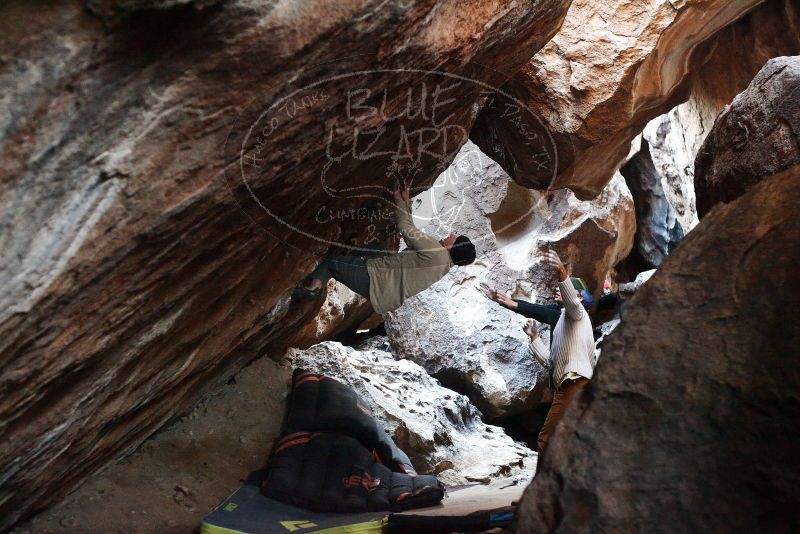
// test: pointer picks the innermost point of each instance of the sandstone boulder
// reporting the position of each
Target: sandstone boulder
(757, 136)
(440, 430)
(673, 140)
(689, 423)
(468, 342)
(736, 55)
(616, 65)
(163, 174)
(611, 68)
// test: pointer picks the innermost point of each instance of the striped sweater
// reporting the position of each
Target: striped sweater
(572, 347)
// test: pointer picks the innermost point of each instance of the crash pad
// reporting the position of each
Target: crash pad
(463, 500)
(247, 511)
(334, 456)
(468, 508)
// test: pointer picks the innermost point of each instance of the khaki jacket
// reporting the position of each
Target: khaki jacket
(396, 277)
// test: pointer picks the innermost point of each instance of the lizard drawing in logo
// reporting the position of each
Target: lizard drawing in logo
(449, 192)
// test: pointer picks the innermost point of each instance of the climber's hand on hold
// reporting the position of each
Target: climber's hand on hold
(500, 298)
(488, 291)
(505, 301)
(555, 262)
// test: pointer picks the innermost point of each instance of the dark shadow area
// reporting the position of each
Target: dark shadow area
(353, 338)
(453, 379)
(524, 426)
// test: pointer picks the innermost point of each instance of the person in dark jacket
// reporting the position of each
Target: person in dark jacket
(571, 356)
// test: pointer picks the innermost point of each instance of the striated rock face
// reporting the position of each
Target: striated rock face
(177, 476)
(758, 135)
(736, 55)
(114, 9)
(132, 279)
(451, 329)
(439, 429)
(674, 139)
(689, 424)
(616, 65)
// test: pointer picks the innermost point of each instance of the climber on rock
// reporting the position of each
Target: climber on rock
(388, 279)
(571, 355)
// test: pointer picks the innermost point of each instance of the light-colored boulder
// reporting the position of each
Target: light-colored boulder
(659, 171)
(630, 288)
(451, 329)
(440, 430)
(658, 229)
(674, 140)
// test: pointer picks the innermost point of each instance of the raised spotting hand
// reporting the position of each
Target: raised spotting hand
(500, 298)
(530, 328)
(552, 259)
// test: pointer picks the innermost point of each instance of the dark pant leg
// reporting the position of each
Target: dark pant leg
(349, 270)
(561, 400)
(376, 249)
(322, 272)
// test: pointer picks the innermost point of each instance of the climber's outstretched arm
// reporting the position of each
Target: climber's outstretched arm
(414, 237)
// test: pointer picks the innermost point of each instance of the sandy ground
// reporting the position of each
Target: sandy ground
(184, 471)
(175, 478)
